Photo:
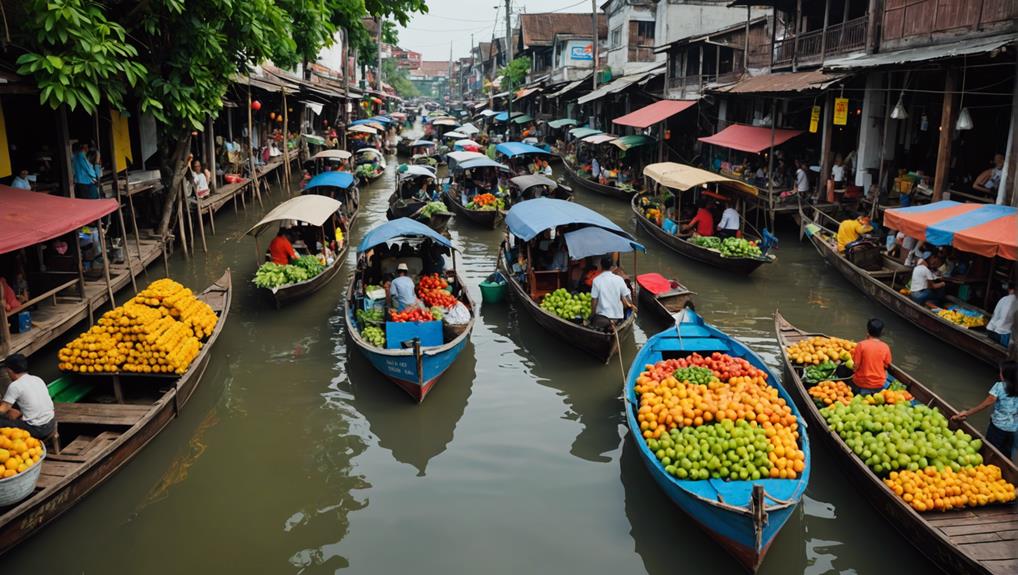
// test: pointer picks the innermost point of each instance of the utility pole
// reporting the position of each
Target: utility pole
(593, 19)
(472, 60)
(378, 40)
(449, 88)
(509, 58)
(346, 83)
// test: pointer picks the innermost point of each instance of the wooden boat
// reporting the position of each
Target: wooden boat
(600, 344)
(744, 517)
(978, 540)
(484, 218)
(663, 297)
(538, 186)
(596, 187)
(883, 285)
(414, 368)
(100, 438)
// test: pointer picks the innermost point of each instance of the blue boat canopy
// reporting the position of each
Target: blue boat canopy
(594, 241)
(401, 228)
(362, 122)
(382, 119)
(513, 149)
(529, 218)
(416, 143)
(474, 163)
(332, 179)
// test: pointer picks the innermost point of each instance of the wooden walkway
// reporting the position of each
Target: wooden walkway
(988, 535)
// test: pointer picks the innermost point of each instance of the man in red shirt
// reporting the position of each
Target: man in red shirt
(872, 357)
(702, 222)
(281, 250)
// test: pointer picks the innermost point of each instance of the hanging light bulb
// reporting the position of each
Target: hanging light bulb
(899, 113)
(964, 120)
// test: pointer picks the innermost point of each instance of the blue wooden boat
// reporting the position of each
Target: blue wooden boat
(743, 516)
(414, 367)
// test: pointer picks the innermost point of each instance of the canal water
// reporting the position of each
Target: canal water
(295, 456)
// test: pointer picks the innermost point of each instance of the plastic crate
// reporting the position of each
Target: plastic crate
(429, 332)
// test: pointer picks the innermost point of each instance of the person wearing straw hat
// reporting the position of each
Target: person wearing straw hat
(401, 291)
(26, 403)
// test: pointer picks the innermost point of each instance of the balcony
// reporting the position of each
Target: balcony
(842, 38)
(568, 74)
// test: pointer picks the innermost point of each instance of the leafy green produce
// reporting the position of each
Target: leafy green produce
(739, 248)
(272, 275)
(437, 313)
(709, 242)
(432, 208)
(821, 371)
(374, 316)
(374, 335)
(566, 305)
(311, 264)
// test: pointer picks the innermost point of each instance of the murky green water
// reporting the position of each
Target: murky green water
(295, 456)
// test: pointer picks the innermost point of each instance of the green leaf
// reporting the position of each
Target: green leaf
(55, 61)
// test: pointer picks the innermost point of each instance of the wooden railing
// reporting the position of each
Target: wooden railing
(841, 38)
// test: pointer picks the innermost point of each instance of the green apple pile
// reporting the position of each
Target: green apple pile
(566, 305)
(901, 436)
(739, 248)
(727, 450)
(374, 335)
(373, 316)
(694, 374)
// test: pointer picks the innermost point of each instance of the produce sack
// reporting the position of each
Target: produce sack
(459, 314)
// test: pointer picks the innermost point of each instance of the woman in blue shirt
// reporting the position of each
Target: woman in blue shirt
(1004, 420)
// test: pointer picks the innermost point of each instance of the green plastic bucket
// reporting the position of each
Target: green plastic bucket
(493, 288)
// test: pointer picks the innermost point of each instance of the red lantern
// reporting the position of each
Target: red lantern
(668, 134)
(256, 105)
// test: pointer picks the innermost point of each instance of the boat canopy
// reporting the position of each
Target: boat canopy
(468, 129)
(29, 218)
(753, 139)
(985, 230)
(445, 122)
(524, 183)
(400, 228)
(418, 143)
(583, 132)
(466, 143)
(594, 241)
(682, 177)
(408, 171)
(374, 154)
(363, 122)
(381, 119)
(632, 141)
(363, 128)
(596, 139)
(522, 119)
(460, 156)
(332, 155)
(310, 209)
(529, 218)
(331, 179)
(482, 162)
(562, 122)
(455, 134)
(513, 149)
(487, 113)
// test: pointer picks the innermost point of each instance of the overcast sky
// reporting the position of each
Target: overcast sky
(452, 21)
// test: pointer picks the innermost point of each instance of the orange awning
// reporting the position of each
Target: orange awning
(754, 139)
(28, 218)
(657, 112)
(986, 230)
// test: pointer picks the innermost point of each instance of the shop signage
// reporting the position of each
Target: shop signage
(840, 111)
(814, 120)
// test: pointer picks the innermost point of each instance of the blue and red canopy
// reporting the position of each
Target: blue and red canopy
(986, 230)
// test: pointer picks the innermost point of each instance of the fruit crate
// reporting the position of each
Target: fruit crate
(14, 489)
(429, 332)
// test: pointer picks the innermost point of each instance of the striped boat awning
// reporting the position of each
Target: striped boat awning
(986, 230)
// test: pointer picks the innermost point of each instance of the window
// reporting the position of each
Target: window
(645, 32)
(616, 38)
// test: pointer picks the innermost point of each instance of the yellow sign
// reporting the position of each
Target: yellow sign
(840, 111)
(814, 120)
(121, 141)
(5, 152)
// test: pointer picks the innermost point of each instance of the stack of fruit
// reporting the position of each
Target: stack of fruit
(374, 335)
(709, 242)
(944, 490)
(18, 451)
(654, 215)
(486, 202)
(432, 291)
(969, 320)
(740, 248)
(373, 316)
(828, 392)
(888, 396)
(158, 331)
(432, 208)
(817, 350)
(729, 424)
(411, 315)
(568, 306)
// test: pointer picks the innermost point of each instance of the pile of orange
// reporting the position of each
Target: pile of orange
(889, 396)
(18, 451)
(828, 392)
(666, 404)
(942, 490)
(818, 349)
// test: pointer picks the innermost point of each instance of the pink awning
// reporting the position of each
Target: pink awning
(599, 138)
(657, 112)
(28, 218)
(753, 139)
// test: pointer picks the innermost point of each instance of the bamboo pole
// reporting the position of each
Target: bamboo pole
(106, 262)
(250, 145)
(286, 145)
(134, 224)
(181, 206)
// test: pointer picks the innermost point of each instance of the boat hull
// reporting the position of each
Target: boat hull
(661, 313)
(485, 218)
(291, 293)
(962, 338)
(744, 266)
(592, 186)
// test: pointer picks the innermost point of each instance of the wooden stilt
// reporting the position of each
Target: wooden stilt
(190, 224)
(106, 263)
(201, 228)
(940, 183)
(250, 146)
(137, 235)
(212, 219)
(181, 206)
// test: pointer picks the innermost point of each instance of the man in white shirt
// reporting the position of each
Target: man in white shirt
(401, 290)
(21, 181)
(34, 412)
(200, 180)
(1001, 324)
(595, 168)
(610, 297)
(802, 180)
(730, 224)
(926, 286)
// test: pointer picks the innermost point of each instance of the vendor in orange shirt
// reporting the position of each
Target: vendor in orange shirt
(280, 249)
(872, 357)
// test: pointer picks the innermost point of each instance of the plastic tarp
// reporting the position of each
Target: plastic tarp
(594, 241)
(580, 133)
(632, 141)
(28, 218)
(407, 171)
(332, 179)
(363, 122)
(401, 228)
(522, 119)
(468, 129)
(461, 156)
(417, 143)
(596, 139)
(562, 122)
(312, 209)
(526, 182)
(381, 119)
(363, 128)
(683, 177)
(529, 218)
(657, 112)
(332, 155)
(513, 149)
(985, 230)
(466, 144)
(482, 162)
(753, 139)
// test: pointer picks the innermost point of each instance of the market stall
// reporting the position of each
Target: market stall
(474, 190)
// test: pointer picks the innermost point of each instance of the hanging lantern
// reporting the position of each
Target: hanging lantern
(668, 134)
(194, 133)
(279, 119)
(899, 113)
(964, 120)
(256, 105)
(289, 109)
(272, 115)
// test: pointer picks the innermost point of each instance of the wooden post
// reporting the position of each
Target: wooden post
(770, 162)
(134, 224)
(201, 226)
(823, 34)
(946, 133)
(798, 32)
(123, 236)
(883, 148)
(181, 206)
(825, 143)
(106, 262)
(286, 145)
(250, 146)
(64, 151)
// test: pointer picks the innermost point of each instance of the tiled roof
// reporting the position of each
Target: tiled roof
(540, 29)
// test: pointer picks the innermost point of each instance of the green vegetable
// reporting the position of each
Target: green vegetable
(821, 372)
(729, 247)
(432, 208)
(566, 305)
(272, 275)
(374, 335)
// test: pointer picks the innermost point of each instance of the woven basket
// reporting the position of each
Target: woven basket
(14, 489)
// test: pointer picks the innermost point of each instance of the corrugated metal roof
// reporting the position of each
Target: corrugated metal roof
(540, 29)
(622, 83)
(569, 87)
(924, 54)
(779, 83)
